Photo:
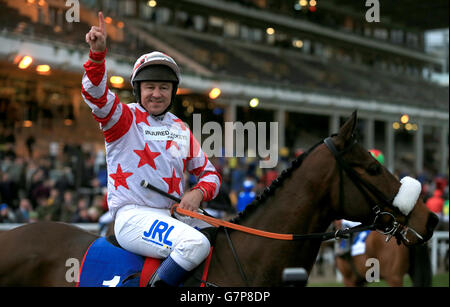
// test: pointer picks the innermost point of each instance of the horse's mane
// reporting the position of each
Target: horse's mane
(261, 199)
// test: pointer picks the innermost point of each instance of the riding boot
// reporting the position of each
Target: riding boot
(169, 274)
(156, 281)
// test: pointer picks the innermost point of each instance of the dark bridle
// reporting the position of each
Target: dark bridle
(391, 228)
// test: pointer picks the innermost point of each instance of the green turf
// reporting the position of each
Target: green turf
(439, 280)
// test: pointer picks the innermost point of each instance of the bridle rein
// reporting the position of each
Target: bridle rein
(391, 229)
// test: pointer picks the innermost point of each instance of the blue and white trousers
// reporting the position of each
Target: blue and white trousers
(152, 232)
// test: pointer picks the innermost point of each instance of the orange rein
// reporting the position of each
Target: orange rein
(217, 222)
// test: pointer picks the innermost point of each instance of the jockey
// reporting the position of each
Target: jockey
(144, 141)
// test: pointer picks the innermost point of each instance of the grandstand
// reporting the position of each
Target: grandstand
(322, 61)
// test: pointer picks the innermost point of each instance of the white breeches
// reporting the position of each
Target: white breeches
(152, 232)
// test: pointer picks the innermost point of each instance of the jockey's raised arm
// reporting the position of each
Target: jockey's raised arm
(144, 141)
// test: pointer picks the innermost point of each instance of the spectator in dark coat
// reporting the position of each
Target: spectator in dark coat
(23, 212)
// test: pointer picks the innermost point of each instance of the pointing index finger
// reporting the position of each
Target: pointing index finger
(101, 21)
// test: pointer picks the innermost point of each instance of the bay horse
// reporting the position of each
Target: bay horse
(395, 261)
(320, 186)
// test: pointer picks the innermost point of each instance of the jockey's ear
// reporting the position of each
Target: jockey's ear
(347, 130)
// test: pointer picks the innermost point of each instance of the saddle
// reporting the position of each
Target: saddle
(106, 263)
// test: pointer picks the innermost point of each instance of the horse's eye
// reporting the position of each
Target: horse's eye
(374, 169)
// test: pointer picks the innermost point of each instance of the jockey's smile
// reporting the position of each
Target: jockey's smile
(156, 96)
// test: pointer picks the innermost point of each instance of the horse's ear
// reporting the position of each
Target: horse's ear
(347, 130)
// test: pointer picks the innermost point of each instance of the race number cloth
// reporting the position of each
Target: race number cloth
(105, 265)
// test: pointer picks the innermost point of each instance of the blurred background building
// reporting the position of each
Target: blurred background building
(309, 64)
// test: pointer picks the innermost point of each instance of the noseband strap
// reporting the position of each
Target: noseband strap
(363, 186)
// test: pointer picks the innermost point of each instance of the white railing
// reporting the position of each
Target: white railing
(438, 243)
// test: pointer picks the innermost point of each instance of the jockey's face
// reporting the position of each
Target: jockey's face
(156, 96)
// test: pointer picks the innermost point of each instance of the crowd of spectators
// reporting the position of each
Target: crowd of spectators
(69, 183)
(70, 186)
(435, 195)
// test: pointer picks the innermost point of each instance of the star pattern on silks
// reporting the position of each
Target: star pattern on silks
(147, 156)
(173, 182)
(120, 178)
(170, 143)
(141, 117)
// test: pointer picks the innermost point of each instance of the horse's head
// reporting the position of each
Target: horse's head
(367, 192)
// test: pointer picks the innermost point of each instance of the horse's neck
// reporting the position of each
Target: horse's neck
(292, 209)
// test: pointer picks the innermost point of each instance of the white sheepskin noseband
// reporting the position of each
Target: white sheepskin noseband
(407, 195)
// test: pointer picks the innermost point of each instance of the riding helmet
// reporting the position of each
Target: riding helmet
(155, 66)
